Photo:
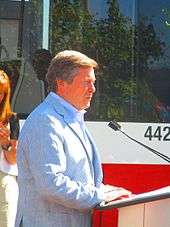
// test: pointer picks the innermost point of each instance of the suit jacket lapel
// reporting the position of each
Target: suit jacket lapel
(75, 129)
(98, 174)
(74, 126)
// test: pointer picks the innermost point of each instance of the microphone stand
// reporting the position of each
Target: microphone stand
(114, 125)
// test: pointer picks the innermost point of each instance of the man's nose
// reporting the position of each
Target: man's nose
(92, 88)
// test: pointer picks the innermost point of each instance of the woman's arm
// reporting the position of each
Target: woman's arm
(10, 153)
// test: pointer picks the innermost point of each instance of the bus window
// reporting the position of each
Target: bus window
(153, 61)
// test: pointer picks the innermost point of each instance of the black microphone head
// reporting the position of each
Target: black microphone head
(114, 125)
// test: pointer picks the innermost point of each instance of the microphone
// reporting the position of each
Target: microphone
(114, 125)
(117, 127)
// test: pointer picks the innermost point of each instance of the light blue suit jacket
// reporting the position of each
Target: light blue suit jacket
(58, 181)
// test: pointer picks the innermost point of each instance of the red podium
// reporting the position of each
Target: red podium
(150, 209)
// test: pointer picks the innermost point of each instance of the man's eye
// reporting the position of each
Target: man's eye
(86, 83)
(89, 82)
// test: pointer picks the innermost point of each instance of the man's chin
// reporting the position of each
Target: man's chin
(87, 106)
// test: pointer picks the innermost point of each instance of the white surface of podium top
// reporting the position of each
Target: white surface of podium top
(158, 194)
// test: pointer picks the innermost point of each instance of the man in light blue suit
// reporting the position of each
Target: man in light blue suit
(60, 175)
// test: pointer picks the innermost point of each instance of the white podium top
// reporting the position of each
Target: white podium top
(158, 194)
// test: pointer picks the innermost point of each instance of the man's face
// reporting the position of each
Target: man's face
(80, 91)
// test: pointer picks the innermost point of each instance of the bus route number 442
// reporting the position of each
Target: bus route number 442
(159, 133)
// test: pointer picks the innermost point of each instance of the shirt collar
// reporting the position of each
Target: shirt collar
(74, 113)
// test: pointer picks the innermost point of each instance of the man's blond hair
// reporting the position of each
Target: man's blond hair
(65, 65)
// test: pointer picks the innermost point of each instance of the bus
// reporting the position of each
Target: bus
(130, 39)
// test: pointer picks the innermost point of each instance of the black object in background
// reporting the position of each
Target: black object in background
(14, 127)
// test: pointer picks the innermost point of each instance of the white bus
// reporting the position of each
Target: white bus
(130, 39)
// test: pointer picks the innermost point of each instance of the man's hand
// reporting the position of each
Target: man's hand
(113, 192)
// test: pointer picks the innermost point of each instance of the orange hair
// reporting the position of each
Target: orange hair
(5, 108)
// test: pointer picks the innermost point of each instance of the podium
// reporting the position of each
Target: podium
(150, 209)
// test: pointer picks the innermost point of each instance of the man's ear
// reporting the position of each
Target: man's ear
(60, 82)
(60, 85)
